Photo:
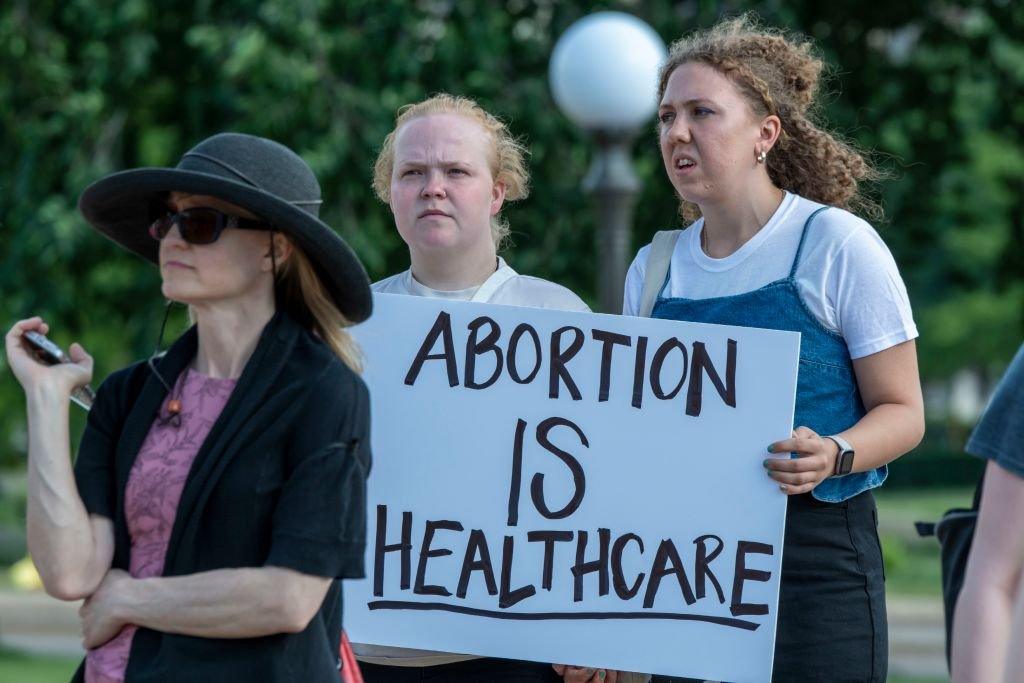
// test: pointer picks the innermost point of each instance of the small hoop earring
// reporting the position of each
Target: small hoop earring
(761, 156)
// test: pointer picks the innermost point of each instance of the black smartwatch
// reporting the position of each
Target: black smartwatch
(844, 460)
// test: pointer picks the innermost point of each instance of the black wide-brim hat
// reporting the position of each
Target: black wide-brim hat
(259, 175)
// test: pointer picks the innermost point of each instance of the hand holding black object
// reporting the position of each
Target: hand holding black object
(39, 378)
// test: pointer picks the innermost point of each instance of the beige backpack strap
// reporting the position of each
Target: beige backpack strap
(658, 259)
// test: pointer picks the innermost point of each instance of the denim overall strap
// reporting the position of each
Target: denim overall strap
(803, 238)
(827, 399)
(831, 365)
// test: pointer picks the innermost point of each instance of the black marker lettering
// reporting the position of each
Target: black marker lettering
(517, 473)
(380, 549)
(558, 360)
(644, 615)
(659, 360)
(508, 597)
(667, 555)
(477, 546)
(513, 347)
(581, 568)
(549, 538)
(609, 340)
(421, 588)
(618, 580)
(475, 348)
(738, 607)
(702, 568)
(578, 477)
(639, 366)
(701, 362)
(442, 328)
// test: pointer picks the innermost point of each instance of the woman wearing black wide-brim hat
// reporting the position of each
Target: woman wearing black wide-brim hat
(219, 489)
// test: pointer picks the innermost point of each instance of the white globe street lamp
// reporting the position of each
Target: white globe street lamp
(603, 74)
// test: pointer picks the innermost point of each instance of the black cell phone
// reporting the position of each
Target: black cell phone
(50, 354)
(46, 351)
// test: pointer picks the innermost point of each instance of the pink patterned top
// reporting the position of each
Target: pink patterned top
(152, 495)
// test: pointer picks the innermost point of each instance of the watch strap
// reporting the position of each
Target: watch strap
(844, 458)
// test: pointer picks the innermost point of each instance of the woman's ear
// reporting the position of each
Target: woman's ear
(282, 247)
(771, 129)
(497, 197)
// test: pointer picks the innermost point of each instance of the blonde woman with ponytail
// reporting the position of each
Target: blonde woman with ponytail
(446, 170)
(218, 496)
(773, 239)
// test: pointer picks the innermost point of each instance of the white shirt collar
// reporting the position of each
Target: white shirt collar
(482, 292)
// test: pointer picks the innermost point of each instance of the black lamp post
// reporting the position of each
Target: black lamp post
(603, 74)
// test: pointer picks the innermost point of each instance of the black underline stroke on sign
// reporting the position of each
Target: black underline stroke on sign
(548, 616)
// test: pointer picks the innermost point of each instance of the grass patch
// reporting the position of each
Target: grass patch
(26, 668)
(912, 563)
(899, 509)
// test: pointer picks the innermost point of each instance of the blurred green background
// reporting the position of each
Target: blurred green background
(92, 86)
(934, 88)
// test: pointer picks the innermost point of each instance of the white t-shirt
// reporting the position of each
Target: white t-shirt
(847, 277)
(504, 286)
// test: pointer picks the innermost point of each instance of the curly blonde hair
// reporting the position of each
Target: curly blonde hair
(508, 155)
(779, 74)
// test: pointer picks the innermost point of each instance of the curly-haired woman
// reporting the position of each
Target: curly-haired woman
(772, 243)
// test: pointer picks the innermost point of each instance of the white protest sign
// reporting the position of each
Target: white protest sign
(573, 488)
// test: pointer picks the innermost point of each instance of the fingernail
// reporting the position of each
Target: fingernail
(769, 473)
(601, 674)
(771, 448)
(783, 487)
(764, 463)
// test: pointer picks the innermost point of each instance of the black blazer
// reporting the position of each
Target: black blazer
(280, 480)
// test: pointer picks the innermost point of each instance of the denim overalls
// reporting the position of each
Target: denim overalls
(832, 623)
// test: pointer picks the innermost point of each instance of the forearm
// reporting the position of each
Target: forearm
(1015, 656)
(60, 533)
(885, 433)
(981, 628)
(981, 635)
(224, 603)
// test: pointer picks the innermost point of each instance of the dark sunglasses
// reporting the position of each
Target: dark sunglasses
(201, 226)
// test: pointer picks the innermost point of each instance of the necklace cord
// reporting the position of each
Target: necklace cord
(173, 403)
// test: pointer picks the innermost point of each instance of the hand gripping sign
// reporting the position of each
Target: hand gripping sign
(573, 487)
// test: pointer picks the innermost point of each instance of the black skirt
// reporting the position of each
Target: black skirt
(469, 671)
(832, 624)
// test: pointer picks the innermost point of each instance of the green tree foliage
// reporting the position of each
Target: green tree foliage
(92, 86)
